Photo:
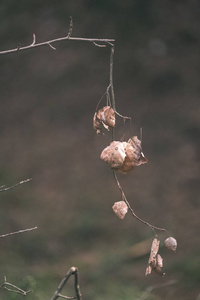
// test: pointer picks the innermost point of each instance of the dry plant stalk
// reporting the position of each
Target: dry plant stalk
(57, 294)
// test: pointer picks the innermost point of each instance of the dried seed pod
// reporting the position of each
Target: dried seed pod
(106, 117)
(138, 154)
(124, 156)
(120, 209)
(171, 243)
(97, 124)
(114, 155)
(134, 155)
(155, 262)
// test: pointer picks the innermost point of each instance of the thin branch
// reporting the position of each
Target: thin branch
(72, 271)
(70, 27)
(132, 211)
(14, 288)
(16, 232)
(15, 185)
(50, 42)
(111, 76)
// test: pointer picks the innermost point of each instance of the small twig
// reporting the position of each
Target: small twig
(15, 185)
(52, 47)
(34, 39)
(70, 27)
(99, 45)
(15, 289)
(72, 271)
(124, 117)
(132, 211)
(16, 232)
(111, 77)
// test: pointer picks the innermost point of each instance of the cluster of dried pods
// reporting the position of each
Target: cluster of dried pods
(124, 157)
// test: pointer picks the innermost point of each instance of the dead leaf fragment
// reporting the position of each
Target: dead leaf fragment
(97, 124)
(155, 260)
(114, 155)
(171, 243)
(124, 156)
(104, 116)
(120, 209)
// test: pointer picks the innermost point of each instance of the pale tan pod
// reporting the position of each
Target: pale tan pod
(114, 155)
(120, 209)
(171, 243)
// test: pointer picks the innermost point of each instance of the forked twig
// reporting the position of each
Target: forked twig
(57, 294)
(132, 211)
(68, 37)
(14, 288)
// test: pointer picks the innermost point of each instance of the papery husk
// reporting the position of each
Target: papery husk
(104, 117)
(107, 116)
(120, 208)
(114, 155)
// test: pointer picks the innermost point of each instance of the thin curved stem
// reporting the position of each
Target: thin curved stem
(132, 211)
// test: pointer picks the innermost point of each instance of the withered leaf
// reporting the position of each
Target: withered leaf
(155, 260)
(120, 209)
(104, 116)
(114, 155)
(97, 124)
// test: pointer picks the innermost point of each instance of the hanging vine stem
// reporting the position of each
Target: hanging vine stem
(132, 211)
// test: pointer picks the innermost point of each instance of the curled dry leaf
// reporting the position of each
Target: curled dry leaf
(106, 117)
(114, 155)
(124, 156)
(171, 243)
(155, 260)
(120, 209)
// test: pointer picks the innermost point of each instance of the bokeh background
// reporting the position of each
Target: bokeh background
(48, 99)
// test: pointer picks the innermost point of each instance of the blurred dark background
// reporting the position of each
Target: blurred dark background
(48, 99)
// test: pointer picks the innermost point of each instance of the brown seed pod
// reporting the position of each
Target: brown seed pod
(114, 155)
(107, 116)
(124, 156)
(120, 209)
(171, 243)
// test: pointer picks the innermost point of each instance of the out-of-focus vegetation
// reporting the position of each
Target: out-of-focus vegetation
(47, 103)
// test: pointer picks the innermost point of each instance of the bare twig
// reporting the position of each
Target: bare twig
(49, 43)
(16, 232)
(132, 211)
(14, 288)
(70, 27)
(72, 271)
(3, 189)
